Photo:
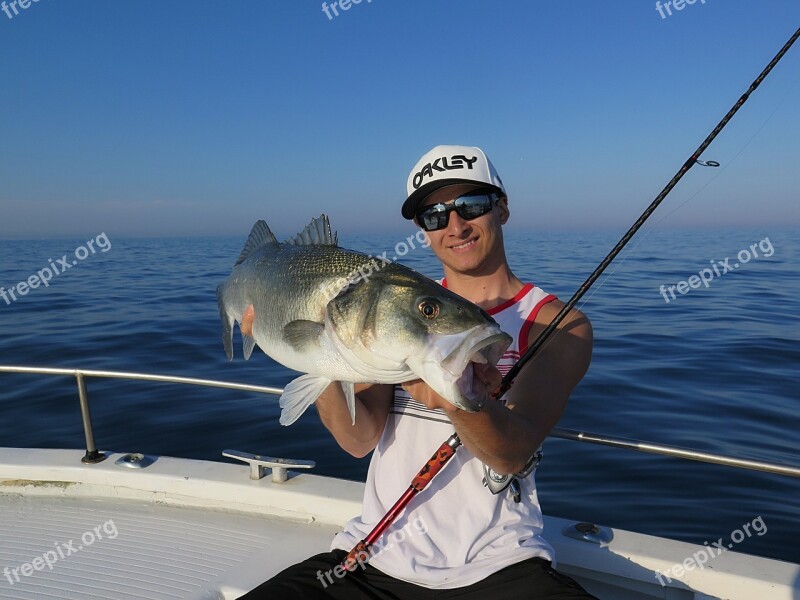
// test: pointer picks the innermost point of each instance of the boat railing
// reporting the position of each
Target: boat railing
(94, 456)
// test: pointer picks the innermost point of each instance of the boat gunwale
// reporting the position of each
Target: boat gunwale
(556, 433)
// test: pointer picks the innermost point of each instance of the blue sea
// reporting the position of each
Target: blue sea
(714, 368)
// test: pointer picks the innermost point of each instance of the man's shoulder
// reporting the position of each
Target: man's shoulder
(568, 350)
(576, 322)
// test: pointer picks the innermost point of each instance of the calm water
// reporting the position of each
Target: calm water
(715, 369)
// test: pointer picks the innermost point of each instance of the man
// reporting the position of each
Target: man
(466, 542)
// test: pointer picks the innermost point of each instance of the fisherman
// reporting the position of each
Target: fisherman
(457, 537)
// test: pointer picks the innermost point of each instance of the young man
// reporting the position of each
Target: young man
(457, 537)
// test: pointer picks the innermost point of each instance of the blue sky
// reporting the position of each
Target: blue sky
(197, 118)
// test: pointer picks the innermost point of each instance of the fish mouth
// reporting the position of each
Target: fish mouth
(459, 363)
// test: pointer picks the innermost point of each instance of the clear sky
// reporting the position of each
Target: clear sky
(190, 117)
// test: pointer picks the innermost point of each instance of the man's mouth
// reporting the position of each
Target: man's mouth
(465, 245)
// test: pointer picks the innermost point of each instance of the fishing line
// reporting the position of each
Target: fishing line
(645, 233)
(361, 553)
(690, 162)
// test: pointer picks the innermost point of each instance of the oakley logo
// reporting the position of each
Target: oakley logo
(441, 164)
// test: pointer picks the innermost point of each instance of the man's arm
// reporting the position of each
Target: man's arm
(505, 437)
(372, 408)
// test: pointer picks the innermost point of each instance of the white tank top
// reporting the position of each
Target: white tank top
(455, 532)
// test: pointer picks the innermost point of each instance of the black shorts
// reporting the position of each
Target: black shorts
(532, 579)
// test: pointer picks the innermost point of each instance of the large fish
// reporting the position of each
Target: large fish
(340, 315)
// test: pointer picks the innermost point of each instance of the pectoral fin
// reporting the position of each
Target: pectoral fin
(301, 334)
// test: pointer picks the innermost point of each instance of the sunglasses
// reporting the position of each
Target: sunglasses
(468, 207)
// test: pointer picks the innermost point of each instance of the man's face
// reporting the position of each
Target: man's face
(469, 247)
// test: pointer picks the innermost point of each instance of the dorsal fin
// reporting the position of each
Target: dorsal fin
(316, 233)
(260, 236)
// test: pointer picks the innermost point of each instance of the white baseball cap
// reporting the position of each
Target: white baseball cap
(449, 165)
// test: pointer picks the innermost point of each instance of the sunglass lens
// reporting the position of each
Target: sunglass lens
(467, 207)
(472, 207)
(433, 219)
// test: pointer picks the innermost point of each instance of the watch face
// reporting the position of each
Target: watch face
(497, 478)
(494, 481)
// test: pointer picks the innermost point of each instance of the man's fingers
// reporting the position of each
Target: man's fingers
(410, 385)
(488, 375)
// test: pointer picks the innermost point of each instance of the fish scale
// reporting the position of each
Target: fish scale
(340, 315)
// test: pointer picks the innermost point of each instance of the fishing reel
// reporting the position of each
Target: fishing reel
(497, 483)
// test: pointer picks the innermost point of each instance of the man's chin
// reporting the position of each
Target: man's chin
(467, 265)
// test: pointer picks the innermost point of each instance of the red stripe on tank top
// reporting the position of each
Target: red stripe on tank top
(520, 295)
(529, 321)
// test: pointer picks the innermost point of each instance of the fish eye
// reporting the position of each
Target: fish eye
(429, 308)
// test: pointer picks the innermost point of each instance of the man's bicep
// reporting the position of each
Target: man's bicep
(380, 393)
(543, 387)
(377, 399)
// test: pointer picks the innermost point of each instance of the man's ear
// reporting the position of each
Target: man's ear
(502, 206)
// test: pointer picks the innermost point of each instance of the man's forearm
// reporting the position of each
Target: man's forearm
(497, 436)
(359, 439)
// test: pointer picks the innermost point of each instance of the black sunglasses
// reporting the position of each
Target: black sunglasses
(468, 207)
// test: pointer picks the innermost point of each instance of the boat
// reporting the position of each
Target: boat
(123, 524)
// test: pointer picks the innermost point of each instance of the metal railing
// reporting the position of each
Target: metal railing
(93, 455)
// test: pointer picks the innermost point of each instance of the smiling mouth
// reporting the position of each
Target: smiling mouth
(465, 245)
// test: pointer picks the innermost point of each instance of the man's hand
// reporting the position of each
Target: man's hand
(487, 374)
(246, 326)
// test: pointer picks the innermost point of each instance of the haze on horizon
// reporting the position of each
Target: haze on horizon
(199, 119)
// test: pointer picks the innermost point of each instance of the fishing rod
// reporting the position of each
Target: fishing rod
(360, 554)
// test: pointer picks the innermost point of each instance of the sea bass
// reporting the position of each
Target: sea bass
(340, 315)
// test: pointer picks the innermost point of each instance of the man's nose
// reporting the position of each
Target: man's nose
(456, 225)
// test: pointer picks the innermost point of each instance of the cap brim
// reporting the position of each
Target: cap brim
(413, 203)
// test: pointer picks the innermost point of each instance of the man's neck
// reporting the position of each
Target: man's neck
(487, 290)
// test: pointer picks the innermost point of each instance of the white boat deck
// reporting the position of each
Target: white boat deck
(200, 530)
(184, 529)
(157, 552)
